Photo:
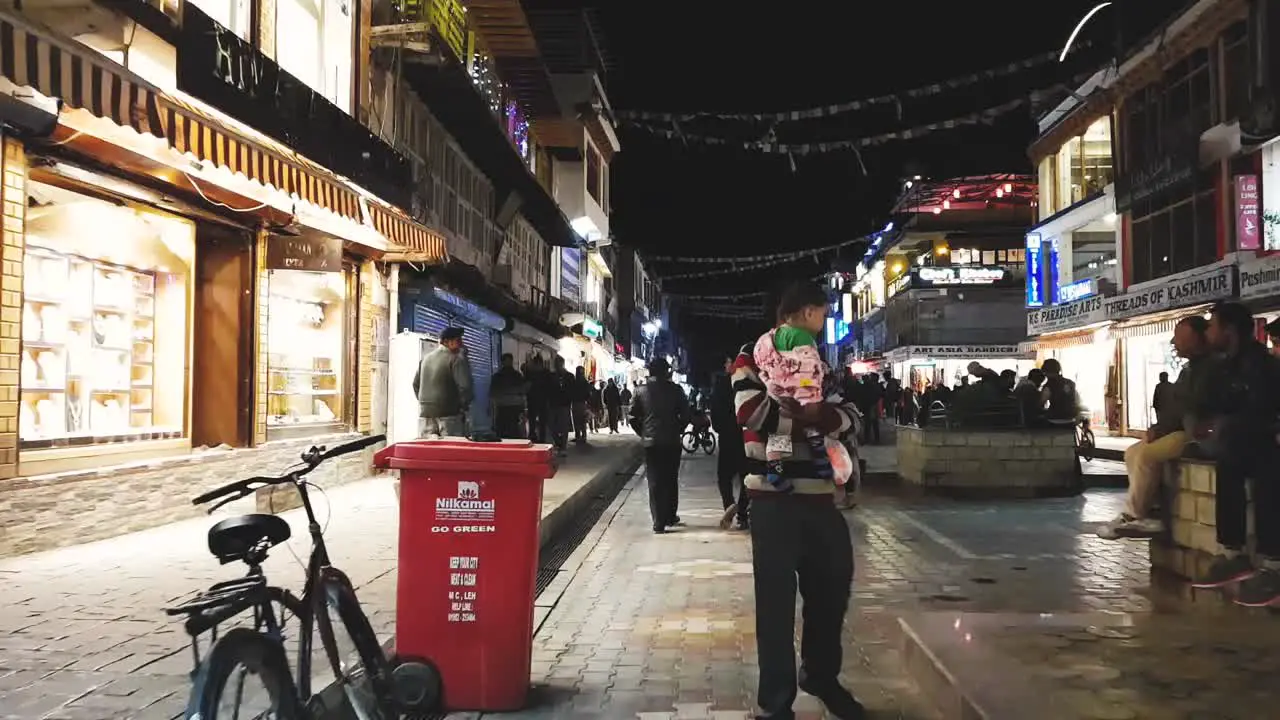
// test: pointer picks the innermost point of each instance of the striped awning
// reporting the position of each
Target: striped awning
(1161, 324)
(402, 230)
(1066, 340)
(82, 79)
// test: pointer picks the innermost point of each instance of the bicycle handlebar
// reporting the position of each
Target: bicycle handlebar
(311, 459)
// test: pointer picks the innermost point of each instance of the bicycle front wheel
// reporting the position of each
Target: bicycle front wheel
(1087, 445)
(354, 653)
(709, 444)
(245, 675)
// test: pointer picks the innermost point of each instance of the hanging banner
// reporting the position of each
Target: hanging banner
(1178, 292)
(1248, 230)
(1064, 317)
(1260, 277)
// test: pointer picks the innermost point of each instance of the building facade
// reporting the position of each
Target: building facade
(941, 285)
(192, 266)
(1186, 207)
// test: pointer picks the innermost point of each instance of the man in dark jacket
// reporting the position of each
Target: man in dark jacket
(508, 389)
(613, 405)
(1241, 435)
(560, 401)
(731, 461)
(538, 381)
(659, 414)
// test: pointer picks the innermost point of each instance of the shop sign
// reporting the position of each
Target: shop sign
(1157, 176)
(230, 74)
(959, 275)
(313, 254)
(1248, 232)
(1035, 271)
(1061, 317)
(571, 275)
(591, 329)
(1260, 277)
(1077, 290)
(467, 309)
(1178, 292)
(955, 352)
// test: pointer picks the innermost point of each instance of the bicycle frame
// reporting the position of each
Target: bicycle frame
(304, 608)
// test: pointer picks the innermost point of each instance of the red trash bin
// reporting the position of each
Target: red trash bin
(468, 563)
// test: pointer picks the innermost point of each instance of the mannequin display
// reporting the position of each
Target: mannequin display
(75, 415)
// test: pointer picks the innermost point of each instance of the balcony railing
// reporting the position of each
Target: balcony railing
(448, 20)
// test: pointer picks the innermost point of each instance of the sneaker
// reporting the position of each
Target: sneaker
(1261, 590)
(1226, 570)
(1127, 526)
(840, 703)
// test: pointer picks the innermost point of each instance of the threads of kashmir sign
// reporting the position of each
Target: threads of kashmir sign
(1217, 283)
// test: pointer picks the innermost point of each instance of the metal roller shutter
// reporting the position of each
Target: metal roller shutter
(480, 345)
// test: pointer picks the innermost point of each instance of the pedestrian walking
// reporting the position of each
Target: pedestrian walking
(560, 401)
(613, 405)
(444, 389)
(659, 413)
(538, 395)
(508, 388)
(580, 397)
(799, 538)
(732, 457)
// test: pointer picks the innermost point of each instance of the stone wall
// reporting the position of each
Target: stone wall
(1015, 463)
(46, 512)
(13, 206)
(1190, 507)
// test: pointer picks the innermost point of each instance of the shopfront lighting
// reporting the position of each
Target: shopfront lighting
(1110, 217)
(888, 227)
(946, 204)
(956, 193)
(937, 211)
(999, 192)
(896, 269)
(1008, 187)
(942, 250)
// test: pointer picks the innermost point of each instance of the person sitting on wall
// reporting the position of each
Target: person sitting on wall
(1062, 402)
(1181, 409)
(1244, 409)
(443, 386)
(1030, 401)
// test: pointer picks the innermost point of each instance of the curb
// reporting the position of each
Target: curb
(563, 516)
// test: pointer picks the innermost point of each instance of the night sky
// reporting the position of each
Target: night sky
(670, 198)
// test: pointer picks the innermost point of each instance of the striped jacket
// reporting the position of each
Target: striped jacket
(760, 416)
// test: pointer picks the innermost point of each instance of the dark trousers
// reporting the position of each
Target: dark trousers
(615, 416)
(1234, 470)
(507, 422)
(662, 468)
(537, 424)
(798, 543)
(870, 425)
(729, 476)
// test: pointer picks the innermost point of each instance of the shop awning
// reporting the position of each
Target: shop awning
(81, 79)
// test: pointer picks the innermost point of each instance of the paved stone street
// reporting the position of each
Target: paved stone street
(83, 635)
(663, 626)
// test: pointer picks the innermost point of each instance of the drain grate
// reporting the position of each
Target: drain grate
(554, 554)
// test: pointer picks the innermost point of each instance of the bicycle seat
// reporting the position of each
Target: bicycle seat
(233, 538)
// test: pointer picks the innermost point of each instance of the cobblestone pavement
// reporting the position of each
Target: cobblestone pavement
(663, 626)
(83, 635)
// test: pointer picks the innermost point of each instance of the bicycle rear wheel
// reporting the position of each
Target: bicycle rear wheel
(355, 656)
(709, 443)
(219, 692)
(689, 441)
(1087, 444)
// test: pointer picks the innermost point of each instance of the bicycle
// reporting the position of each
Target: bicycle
(698, 435)
(378, 688)
(1085, 444)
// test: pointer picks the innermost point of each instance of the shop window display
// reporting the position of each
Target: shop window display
(306, 340)
(104, 322)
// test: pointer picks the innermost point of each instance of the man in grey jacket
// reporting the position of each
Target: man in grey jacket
(443, 387)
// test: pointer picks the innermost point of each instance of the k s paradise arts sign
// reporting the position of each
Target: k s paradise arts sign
(1217, 283)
